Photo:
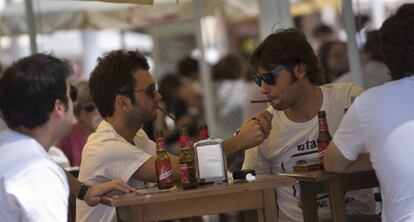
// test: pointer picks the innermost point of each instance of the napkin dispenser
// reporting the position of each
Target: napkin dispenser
(211, 161)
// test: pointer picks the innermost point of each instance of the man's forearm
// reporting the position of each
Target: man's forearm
(361, 164)
(74, 186)
(231, 148)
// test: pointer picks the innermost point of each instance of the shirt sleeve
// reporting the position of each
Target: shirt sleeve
(352, 93)
(349, 136)
(122, 161)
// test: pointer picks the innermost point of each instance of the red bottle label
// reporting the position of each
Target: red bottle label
(187, 173)
(322, 149)
(164, 173)
(203, 134)
(323, 125)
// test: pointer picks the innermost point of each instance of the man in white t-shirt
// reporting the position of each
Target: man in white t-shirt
(381, 123)
(36, 104)
(126, 97)
(288, 74)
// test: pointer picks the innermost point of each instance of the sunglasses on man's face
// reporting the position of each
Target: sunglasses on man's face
(151, 90)
(89, 108)
(73, 93)
(270, 77)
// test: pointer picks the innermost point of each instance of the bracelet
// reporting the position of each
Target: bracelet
(82, 191)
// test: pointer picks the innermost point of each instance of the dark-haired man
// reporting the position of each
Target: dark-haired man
(380, 122)
(126, 97)
(37, 105)
(288, 75)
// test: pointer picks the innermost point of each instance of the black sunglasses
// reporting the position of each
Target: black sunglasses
(151, 90)
(73, 93)
(89, 108)
(270, 77)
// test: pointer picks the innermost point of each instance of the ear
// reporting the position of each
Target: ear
(300, 71)
(122, 102)
(60, 109)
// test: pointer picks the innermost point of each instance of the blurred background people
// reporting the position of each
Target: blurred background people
(88, 119)
(333, 60)
(179, 99)
(375, 72)
(321, 34)
(230, 74)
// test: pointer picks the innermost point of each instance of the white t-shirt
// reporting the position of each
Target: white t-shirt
(107, 156)
(32, 186)
(381, 123)
(291, 143)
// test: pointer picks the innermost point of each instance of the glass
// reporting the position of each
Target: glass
(270, 77)
(151, 90)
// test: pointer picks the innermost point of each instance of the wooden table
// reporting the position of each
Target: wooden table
(207, 199)
(335, 185)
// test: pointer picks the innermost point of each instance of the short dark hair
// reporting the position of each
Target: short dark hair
(187, 66)
(30, 87)
(397, 42)
(372, 45)
(287, 47)
(114, 75)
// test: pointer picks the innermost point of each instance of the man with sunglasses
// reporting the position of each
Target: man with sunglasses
(126, 96)
(288, 75)
(37, 104)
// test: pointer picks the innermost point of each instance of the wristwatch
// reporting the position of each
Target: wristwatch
(82, 191)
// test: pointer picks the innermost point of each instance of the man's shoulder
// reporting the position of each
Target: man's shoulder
(340, 86)
(339, 90)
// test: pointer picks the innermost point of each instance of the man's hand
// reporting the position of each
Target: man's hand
(255, 130)
(94, 193)
(265, 120)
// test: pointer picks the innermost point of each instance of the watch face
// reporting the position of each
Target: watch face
(82, 191)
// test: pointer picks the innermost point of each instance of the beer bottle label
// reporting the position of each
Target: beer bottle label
(322, 145)
(186, 173)
(164, 173)
(323, 125)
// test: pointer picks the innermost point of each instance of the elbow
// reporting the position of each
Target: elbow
(334, 166)
(329, 167)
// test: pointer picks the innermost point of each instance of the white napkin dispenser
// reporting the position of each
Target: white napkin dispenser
(211, 161)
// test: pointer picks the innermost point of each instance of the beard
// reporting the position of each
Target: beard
(138, 116)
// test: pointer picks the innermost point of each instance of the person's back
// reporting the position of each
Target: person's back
(380, 123)
(24, 167)
(386, 123)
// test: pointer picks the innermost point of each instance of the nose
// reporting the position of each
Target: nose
(158, 96)
(265, 89)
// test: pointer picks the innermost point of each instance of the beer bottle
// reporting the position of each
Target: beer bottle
(203, 132)
(163, 163)
(187, 161)
(324, 137)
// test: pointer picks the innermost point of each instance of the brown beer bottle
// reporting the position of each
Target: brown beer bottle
(203, 132)
(324, 137)
(163, 163)
(187, 161)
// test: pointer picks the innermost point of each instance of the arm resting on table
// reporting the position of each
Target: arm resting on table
(334, 161)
